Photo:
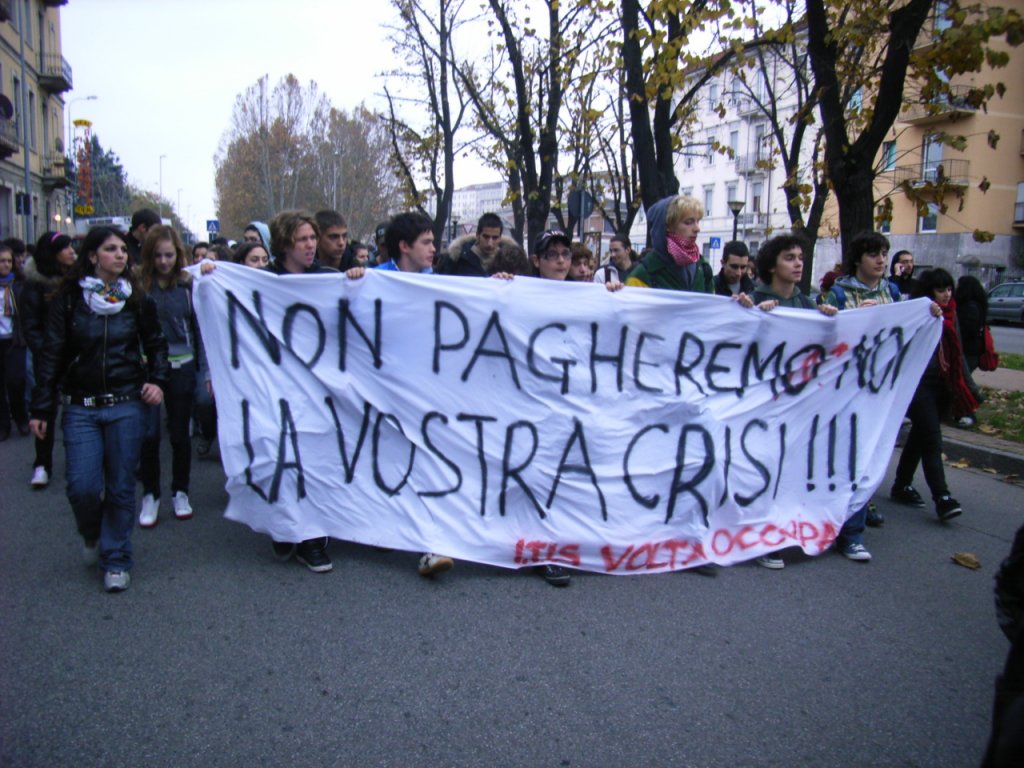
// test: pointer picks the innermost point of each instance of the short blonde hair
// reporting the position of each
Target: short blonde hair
(681, 207)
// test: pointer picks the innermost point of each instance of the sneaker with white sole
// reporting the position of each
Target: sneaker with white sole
(182, 508)
(946, 507)
(856, 552)
(772, 562)
(431, 564)
(150, 510)
(40, 477)
(116, 581)
(312, 553)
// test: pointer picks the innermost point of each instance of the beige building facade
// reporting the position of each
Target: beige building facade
(34, 79)
(941, 195)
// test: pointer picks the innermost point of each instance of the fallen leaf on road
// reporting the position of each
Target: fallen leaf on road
(988, 430)
(962, 464)
(967, 560)
(990, 471)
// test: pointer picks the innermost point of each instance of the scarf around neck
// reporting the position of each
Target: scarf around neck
(682, 250)
(105, 299)
(951, 365)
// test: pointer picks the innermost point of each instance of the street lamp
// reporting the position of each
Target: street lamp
(735, 206)
(161, 200)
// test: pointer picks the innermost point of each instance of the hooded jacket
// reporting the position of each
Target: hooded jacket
(659, 270)
(462, 258)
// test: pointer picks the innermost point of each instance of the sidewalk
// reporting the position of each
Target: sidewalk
(984, 451)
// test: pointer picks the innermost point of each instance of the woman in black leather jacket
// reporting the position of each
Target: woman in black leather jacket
(98, 328)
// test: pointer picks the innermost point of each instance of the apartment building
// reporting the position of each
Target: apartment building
(731, 162)
(34, 76)
(984, 184)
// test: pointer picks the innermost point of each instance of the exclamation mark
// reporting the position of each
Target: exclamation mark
(853, 451)
(810, 454)
(832, 452)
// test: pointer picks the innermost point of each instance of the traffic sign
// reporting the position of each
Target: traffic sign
(212, 226)
(716, 242)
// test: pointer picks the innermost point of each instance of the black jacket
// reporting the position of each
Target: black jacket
(36, 296)
(88, 354)
(722, 287)
(972, 328)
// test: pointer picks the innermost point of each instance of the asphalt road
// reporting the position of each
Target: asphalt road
(1008, 338)
(220, 656)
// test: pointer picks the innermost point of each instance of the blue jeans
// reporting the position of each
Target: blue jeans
(102, 447)
(852, 531)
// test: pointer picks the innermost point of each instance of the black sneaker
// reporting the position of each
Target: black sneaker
(874, 518)
(947, 508)
(906, 495)
(312, 553)
(283, 550)
(555, 575)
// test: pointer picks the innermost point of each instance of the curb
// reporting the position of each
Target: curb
(983, 457)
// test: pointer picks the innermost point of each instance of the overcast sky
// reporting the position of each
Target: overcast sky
(166, 73)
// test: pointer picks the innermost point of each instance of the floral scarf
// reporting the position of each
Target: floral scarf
(7, 285)
(105, 299)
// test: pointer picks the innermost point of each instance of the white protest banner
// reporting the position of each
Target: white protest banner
(528, 421)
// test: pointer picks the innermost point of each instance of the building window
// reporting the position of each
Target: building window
(757, 191)
(18, 111)
(709, 199)
(712, 96)
(32, 119)
(734, 142)
(884, 224)
(888, 155)
(730, 192)
(710, 157)
(931, 157)
(930, 222)
(1018, 207)
(856, 101)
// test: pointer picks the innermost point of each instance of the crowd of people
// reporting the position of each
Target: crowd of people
(108, 335)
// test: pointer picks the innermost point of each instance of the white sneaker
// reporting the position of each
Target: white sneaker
(182, 509)
(431, 564)
(150, 510)
(773, 562)
(40, 477)
(116, 581)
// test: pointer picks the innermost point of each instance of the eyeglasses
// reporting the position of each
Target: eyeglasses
(552, 255)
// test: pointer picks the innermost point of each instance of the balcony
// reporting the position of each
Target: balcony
(746, 106)
(9, 141)
(54, 73)
(753, 164)
(55, 172)
(956, 103)
(951, 173)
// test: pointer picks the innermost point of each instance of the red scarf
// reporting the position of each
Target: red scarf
(682, 250)
(951, 364)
